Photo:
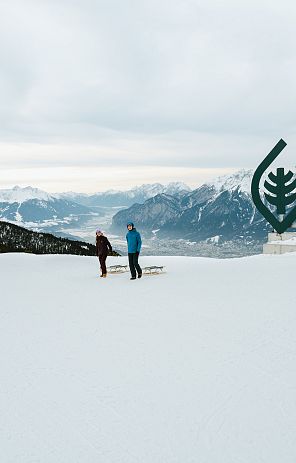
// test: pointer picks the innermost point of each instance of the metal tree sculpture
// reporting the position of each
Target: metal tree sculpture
(280, 190)
(279, 225)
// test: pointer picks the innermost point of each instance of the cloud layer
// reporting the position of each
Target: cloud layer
(152, 83)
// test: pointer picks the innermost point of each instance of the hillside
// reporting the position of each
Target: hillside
(18, 239)
(196, 365)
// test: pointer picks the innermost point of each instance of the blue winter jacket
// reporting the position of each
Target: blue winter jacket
(134, 241)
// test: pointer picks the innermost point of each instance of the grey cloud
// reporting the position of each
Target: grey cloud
(108, 73)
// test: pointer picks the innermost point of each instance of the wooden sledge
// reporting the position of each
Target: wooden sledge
(153, 270)
(117, 269)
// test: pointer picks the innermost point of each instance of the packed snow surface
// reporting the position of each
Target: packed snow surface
(195, 365)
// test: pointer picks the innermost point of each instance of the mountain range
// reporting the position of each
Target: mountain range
(28, 205)
(217, 211)
(116, 198)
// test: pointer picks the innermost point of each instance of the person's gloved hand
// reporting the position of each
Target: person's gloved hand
(138, 253)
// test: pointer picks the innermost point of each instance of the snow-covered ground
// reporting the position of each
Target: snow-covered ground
(193, 366)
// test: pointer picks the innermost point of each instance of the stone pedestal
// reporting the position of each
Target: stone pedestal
(280, 243)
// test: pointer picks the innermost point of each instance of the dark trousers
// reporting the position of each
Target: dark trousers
(134, 264)
(102, 259)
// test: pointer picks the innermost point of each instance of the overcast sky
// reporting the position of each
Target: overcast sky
(112, 94)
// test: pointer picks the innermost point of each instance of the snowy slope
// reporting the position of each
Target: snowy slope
(196, 365)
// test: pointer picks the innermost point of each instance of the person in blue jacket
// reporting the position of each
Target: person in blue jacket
(134, 243)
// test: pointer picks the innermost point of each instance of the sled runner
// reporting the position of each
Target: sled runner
(153, 270)
(117, 268)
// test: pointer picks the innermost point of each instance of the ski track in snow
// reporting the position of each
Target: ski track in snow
(195, 365)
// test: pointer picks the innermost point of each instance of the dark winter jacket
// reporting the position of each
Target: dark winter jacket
(103, 245)
(134, 241)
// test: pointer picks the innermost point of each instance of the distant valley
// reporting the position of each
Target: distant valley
(216, 219)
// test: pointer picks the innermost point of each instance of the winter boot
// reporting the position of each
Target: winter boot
(133, 278)
(104, 275)
(140, 275)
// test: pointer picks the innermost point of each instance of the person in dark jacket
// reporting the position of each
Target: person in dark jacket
(103, 246)
(134, 244)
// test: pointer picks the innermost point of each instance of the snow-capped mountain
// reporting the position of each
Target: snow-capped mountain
(116, 198)
(222, 209)
(31, 207)
(20, 195)
(68, 214)
(240, 180)
(151, 190)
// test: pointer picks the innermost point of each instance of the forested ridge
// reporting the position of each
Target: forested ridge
(14, 238)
